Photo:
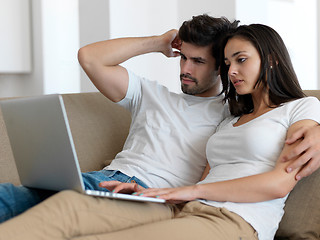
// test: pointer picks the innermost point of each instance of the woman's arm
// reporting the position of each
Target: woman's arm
(308, 151)
(116, 186)
(261, 187)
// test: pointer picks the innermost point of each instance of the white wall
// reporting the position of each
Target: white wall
(60, 32)
(54, 62)
(31, 83)
(56, 35)
(298, 27)
(15, 40)
(93, 26)
(216, 8)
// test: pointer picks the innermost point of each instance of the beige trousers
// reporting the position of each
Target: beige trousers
(70, 215)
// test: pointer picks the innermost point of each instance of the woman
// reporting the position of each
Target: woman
(243, 194)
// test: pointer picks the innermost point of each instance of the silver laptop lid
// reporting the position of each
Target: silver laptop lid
(42, 143)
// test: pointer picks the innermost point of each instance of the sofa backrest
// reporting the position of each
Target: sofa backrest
(8, 171)
(99, 128)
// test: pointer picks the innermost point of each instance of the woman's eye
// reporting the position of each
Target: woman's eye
(241, 60)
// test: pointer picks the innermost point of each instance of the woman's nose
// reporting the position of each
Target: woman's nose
(232, 70)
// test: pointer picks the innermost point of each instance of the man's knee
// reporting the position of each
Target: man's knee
(66, 196)
(66, 200)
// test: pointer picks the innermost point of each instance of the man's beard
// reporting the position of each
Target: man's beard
(191, 90)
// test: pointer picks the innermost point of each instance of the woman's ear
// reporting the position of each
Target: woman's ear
(271, 60)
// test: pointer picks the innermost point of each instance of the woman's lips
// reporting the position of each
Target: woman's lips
(237, 82)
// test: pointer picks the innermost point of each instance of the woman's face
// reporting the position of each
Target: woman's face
(244, 65)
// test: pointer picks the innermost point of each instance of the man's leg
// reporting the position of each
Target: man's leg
(92, 179)
(70, 214)
(16, 199)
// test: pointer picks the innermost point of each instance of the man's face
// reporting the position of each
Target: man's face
(197, 71)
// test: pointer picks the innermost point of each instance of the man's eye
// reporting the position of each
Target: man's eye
(199, 60)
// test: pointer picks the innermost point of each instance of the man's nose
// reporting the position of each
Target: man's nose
(187, 68)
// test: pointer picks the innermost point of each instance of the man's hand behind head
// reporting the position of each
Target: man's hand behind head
(171, 41)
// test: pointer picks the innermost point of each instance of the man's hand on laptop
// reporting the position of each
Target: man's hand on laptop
(120, 187)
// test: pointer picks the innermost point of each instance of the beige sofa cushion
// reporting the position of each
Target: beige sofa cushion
(302, 211)
(7, 165)
(99, 128)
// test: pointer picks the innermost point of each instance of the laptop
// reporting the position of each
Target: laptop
(43, 146)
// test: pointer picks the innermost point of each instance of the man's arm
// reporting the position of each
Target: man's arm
(308, 151)
(101, 60)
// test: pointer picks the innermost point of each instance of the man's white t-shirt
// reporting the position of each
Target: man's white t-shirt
(253, 148)
(168, 134)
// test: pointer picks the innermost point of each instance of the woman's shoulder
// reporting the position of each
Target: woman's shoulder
(303, 108)
(304, 101)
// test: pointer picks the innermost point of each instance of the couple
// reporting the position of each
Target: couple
(245, 182)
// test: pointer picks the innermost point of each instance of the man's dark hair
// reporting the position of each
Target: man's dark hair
(204, 30)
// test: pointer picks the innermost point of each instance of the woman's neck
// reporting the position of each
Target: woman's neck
(261, 105)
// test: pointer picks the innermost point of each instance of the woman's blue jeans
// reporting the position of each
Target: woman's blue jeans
(17, 199)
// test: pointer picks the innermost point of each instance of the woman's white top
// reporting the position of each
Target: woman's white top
(253, 148)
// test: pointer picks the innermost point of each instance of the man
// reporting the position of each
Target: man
(166, 143)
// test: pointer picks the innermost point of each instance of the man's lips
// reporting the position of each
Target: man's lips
(187, 80)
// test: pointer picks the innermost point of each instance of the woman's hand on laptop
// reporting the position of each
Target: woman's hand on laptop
(120, 187)
(172, 195)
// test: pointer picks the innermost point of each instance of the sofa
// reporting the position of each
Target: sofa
(99, 128)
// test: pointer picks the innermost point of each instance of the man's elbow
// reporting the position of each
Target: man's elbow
(84, 57)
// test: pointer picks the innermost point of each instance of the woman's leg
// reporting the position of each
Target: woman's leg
(196, 221)
(69, 214)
